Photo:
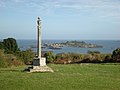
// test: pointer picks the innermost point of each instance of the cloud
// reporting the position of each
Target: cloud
(91, 4)
(109, 8)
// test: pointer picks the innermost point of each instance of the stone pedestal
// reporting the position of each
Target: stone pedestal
(41, 69)
(40, 66)
(43, 61)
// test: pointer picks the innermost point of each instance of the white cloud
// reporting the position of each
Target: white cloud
(108, 7)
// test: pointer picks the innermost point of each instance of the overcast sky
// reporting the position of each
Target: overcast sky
(61, 19)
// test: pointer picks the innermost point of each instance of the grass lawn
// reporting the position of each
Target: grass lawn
(65, 77)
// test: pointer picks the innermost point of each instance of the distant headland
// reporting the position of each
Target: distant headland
(79, 44)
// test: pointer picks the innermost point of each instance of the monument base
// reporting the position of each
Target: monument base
(40, 66)
(41, 69)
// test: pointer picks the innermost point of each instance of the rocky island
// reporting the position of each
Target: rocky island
(80, 44)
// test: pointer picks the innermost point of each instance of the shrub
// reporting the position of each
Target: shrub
(93, 52)
(26, 56)
(116, 55)
(50, 56)
(3, 64)
(107, 59)
(1, 45)
(8, 60)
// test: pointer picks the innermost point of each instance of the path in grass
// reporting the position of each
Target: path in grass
(65, 77)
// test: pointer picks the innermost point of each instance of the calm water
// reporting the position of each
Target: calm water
(108, 46)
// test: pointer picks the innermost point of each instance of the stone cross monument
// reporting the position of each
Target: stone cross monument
(39, 63)
(39, 38)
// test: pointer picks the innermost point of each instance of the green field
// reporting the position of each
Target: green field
(65, 77)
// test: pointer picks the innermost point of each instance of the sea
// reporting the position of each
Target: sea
(108, 46)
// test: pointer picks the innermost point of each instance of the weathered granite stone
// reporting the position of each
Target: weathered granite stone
(41, 69)
(43, 61)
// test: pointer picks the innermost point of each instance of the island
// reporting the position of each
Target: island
(79, 44)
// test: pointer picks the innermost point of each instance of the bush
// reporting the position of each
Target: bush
(93, 52)
(76, 57)
(1, 45)
(108, 59)
(116, 55)
(69, 57)
(3, 64)
(50, 56)
(8, 60)
(2, 61)
(26, 56)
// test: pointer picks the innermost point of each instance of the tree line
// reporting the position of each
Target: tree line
(11, 55)
(91, 57)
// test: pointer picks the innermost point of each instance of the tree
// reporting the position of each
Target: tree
(10, 45)
(1, 45)
(116, 55)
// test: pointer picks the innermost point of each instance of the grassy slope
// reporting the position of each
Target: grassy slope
(65, 77)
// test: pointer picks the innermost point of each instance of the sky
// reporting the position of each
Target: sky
(60, 19)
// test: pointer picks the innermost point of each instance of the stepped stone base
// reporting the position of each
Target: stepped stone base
(40, 69)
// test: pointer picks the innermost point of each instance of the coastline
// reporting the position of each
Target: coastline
(108, 46)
